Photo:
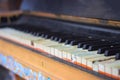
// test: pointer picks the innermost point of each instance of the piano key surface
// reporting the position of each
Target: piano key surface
(68, 49)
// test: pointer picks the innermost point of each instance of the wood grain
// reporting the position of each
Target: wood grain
(39, 63)
(96, 21)
(102, 22)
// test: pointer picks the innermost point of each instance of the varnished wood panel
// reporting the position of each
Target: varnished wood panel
(44, 64)
(78, 19)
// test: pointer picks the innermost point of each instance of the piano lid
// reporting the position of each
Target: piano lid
(103, 9)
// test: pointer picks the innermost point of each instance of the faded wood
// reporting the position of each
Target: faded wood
(10, 13)
(49, 67)
(78, 19)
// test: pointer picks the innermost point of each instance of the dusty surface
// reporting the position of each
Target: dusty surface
(49, 67)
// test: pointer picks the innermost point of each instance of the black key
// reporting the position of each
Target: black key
(26, 31)
(102, 50)
(111, 52)
(117, 56)
(87, 42)
(85, 46)
(68, 41)
(90, 44)
(46, 36)
(37, 34)
(96, 47)
(79, 41)
(50, 36)
(74, 43)
(79, 45)
(43, 35)
(31, 32)
(34, 33)
(58, 39)
(61, 40)
(54, 38)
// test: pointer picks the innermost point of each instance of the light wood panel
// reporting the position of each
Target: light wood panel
(47, 66)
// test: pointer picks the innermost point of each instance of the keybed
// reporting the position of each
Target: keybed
(90, 59)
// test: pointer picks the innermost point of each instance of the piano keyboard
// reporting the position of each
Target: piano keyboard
(102, 56)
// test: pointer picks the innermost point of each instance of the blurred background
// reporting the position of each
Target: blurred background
(8, 5)
(103, 9)
(5, 74)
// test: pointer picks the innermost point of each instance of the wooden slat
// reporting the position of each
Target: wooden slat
(78, 19)
(10, 13)
(96, 21)
(49, 67)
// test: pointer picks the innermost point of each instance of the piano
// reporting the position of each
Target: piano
(83, 35)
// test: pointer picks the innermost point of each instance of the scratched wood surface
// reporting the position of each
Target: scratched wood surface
(47, 66)
(96, 21)
(75, 18)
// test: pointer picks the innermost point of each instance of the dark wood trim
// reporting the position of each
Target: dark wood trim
(78, 19)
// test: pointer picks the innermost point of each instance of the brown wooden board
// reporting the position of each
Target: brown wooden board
(51, 68)
(77, 19)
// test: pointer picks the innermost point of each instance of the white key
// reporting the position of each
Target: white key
(102, 64)
(18, 36)
(82, 54)
(93, 62)
(116, 71)
(110, 67)
(60, 48)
